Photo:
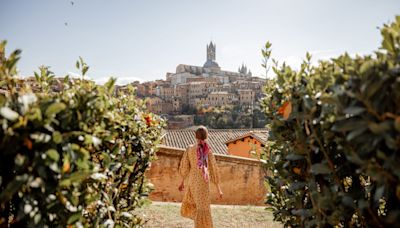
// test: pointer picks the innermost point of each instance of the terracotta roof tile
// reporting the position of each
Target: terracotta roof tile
(216, 137)
(261, 136)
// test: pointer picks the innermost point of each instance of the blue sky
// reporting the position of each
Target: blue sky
(145, 39)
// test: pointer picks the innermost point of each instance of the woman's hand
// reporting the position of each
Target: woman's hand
(220, 192)
(181, 187)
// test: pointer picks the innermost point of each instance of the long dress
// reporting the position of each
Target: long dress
(196, 199)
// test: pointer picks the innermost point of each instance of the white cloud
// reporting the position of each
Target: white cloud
(120, 80)
(102, 80)
(316, 55)
(74, 75)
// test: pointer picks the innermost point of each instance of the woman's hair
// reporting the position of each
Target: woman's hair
(201, 133)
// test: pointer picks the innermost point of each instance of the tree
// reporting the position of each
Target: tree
(335, 139)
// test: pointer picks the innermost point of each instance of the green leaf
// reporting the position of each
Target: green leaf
(8, 192)
(294, 157)
(349, 124)
(366, 66)
(53, 154)
(320, 168)
(129, 167)
(390, 142)
(354, 110)
(9, 114)
(373, 88)
(74, 218)
(380, 154)
(83, 164)
(355, 133)
(74, 177)
(37, 218)
(2, 100)
(55, 108)
(106, 159)
(57, 137)
(379, 128)
(328, 99)
(84, 70)
(387, 42)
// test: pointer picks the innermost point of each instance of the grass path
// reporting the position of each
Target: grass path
(168, 215)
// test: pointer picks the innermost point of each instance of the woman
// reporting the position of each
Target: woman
(198, 167)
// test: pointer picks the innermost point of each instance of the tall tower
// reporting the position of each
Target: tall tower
(210, 63)
(211, 51)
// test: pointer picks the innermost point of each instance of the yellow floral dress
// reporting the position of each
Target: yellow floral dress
(196, 199)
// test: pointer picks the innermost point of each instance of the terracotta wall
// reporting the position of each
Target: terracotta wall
(242, 179)
(243, 147)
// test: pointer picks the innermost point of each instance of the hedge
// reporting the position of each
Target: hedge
(76, 157)
(334, 151)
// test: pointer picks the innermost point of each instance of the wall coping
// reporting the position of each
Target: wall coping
(173, 151)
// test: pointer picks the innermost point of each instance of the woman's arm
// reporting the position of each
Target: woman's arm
(184, 168)
(219, 191)
(184, 165)
(214, 172)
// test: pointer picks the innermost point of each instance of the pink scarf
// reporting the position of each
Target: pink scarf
(202, 158)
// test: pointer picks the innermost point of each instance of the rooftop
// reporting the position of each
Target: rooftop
(260, 136)
(217, 138)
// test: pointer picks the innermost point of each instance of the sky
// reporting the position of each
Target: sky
(143, 40)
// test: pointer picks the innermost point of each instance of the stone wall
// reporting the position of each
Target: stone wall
(242, 179)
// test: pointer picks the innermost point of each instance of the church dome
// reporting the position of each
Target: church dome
(210, 64)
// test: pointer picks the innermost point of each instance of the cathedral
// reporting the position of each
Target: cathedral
(210, 69)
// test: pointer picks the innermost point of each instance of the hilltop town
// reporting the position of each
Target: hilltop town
(200, 87)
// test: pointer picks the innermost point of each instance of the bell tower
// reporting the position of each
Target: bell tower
(210, 63)
(211, 51)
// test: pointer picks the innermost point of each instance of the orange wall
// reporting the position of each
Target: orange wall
(243, 148)
(237, 175)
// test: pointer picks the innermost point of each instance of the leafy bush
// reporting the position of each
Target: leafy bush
(76, 157)
(335, 139)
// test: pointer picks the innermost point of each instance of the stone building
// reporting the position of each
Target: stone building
(218, 99)
(154, 105)
(176, 105)
(197, 89)
(159, 106)
(181, 92)
(246, 97)
(180, 121)
(165, 91)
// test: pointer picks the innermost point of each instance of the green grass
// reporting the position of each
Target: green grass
(168, 215)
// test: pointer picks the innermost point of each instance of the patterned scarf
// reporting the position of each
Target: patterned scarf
(202, 158)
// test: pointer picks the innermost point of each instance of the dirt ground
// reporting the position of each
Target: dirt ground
(168, 215)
